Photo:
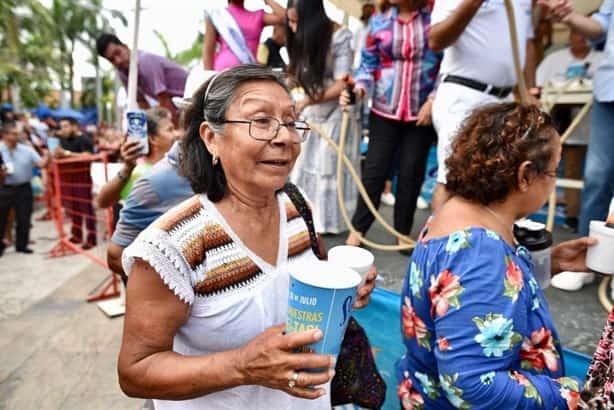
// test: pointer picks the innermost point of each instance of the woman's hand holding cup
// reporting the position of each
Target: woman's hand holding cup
(269, 360)
(571, 255)
(365, 290)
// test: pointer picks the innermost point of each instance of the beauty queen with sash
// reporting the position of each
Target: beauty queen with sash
(238, 32)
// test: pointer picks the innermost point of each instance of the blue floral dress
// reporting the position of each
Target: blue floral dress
(477, 329)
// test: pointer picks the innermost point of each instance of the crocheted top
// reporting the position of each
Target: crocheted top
(233, 293)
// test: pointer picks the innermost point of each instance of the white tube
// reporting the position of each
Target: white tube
(133, 73)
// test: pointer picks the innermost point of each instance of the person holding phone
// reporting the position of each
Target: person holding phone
(161, 136)
(17, 161)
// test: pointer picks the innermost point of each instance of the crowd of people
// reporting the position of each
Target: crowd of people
(212, 218)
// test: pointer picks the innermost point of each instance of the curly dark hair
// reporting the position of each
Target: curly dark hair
(210, 103)
(490, 147)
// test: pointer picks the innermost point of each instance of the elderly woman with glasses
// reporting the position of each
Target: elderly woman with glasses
(475, 322)
(208, 287)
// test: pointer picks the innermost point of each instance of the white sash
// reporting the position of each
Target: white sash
(229, 30)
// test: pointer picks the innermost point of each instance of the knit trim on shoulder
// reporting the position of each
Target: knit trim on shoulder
(167, 261)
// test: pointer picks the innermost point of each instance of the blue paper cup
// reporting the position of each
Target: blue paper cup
(321, 297)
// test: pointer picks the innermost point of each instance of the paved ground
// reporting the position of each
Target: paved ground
(59, 352)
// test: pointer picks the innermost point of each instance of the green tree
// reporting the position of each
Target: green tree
(70, 23)
(26, 57)
(184, 57)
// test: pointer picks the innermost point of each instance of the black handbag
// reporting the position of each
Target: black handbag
(357, 379)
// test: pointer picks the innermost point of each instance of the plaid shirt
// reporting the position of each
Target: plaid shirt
(396, 59)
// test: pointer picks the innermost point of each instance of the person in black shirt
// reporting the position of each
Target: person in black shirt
(76, 182)
(268, 54)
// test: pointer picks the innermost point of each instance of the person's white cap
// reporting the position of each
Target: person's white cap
(197, 77)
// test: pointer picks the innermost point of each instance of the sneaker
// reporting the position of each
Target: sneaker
(25, 250)
(421, 203)
(572, 281)
(388, 199)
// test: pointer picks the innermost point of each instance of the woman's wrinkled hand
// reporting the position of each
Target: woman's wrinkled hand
(364, 292)
(268, 360)
(571, 255)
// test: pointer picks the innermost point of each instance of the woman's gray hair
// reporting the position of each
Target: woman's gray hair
(221, 88)
(210, 103)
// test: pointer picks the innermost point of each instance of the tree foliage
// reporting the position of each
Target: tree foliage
(184, 57)
(37, 43)
(27, 60)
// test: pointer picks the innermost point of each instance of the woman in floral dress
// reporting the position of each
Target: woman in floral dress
(475, 323)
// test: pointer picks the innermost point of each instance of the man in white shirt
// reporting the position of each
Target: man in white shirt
(477, 67)
(577, 60)
(16, 163)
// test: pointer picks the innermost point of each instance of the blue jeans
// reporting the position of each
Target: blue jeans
(599, 168)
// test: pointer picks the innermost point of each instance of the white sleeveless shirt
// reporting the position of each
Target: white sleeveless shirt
(234, 294)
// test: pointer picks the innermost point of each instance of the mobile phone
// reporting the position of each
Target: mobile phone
(137, 129)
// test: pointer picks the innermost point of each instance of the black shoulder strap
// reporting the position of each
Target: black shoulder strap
(298, 200)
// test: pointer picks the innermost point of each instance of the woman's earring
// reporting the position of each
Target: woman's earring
(215, 160)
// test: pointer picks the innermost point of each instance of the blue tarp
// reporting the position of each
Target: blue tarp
(42, 111)
(67, 113)
(83, 116)
(90, 115)
(382, 322)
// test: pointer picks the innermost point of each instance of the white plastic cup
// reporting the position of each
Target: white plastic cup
(9, 168)
(600, 257)
(321, 297)
(353, 257)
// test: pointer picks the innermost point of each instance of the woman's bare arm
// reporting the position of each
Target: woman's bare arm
(209, 45)
(149, 368)
(147, 365)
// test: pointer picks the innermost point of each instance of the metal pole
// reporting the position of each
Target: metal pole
(134, 56)
(98, 92)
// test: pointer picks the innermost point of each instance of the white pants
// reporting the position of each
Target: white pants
(453, 104)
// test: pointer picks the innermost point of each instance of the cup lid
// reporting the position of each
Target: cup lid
(351, 256)
(327, 275)
(533, 240)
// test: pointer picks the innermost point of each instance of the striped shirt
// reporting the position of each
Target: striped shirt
(396, 60)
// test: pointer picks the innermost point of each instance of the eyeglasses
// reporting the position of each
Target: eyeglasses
(267, 128)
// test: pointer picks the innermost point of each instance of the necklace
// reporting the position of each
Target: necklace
(501, 221)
